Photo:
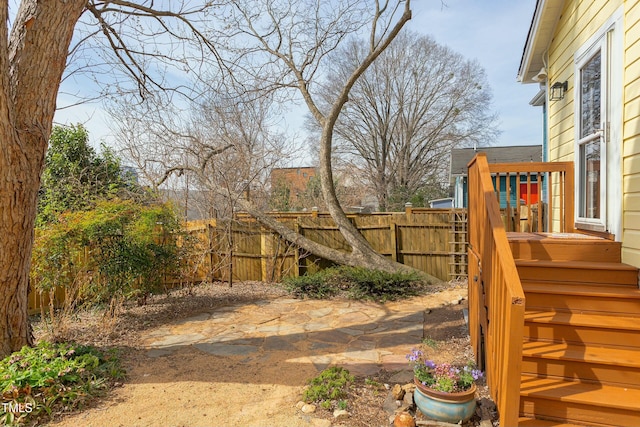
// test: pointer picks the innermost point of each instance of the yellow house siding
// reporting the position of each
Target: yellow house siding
(632, 88)
(631, 136)
(631, 183)
(631, 14)
(631, 108)
(631, 145)
(580, 20)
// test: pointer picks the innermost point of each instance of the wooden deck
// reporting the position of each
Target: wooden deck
(554, 318)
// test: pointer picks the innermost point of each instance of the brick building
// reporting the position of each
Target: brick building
(294, 180)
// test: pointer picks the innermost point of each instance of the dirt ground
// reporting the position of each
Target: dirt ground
(192, 388)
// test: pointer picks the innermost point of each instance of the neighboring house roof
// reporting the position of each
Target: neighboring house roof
(541, 32)
(460, 157)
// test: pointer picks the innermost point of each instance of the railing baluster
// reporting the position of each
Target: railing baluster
(529, 211)
(539, 178)
(508, 201)
(516, 215)
(550, 205)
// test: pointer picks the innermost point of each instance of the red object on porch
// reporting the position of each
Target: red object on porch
(533, 188)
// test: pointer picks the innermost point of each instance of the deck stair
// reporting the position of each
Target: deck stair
(581, 349)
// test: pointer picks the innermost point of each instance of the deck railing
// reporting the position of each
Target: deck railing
(542, 197)
(542, 200)
(496, 298)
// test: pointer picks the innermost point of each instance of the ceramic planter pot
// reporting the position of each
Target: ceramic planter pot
(447, 407)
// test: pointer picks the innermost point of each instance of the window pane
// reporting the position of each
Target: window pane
(590, 179)
(590, 96)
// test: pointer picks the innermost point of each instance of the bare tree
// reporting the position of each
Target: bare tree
(34, 47)
(286, 45)
(415, 103)
(281, 48)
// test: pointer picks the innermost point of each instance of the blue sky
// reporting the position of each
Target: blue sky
(491, 31)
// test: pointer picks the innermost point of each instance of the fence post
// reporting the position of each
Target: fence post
(210, 245)
(393, 228)
(296, 270)
(408, 207)
(266, 253)
(314, 212)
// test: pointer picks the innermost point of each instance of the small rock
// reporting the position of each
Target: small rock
(300, 404)
(487, 404)
(340, 415)
(398, 392)
(398, 403)
(308, 408)
(485, 410)
(455, 301)
(403, 408)
(404, 419)
(387, 386)
(408, 399)
(409, 388)
(389, 405)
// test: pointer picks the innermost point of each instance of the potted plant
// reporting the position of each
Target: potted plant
(444, 392)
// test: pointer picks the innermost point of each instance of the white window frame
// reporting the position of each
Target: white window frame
(609, 41)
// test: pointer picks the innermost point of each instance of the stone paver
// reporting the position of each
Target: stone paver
(362, 336)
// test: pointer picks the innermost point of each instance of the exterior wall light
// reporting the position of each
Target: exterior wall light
(558, 89)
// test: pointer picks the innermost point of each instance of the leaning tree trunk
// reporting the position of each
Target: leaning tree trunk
(362, 252)
(354, 258)
(32, 60)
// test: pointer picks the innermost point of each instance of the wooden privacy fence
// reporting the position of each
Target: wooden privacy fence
(431, 240)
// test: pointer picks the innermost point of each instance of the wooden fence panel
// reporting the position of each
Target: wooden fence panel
(421, 238)
(418, 237)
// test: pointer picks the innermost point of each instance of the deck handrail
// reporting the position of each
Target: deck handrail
(558, 178)
(496, 298)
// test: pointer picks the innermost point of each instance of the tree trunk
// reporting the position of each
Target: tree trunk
(31, 64)
(362, 252)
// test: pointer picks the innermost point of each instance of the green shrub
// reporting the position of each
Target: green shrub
(118, 250)
(329, 388)
(36, 381)
(317, 285)
(355, 283)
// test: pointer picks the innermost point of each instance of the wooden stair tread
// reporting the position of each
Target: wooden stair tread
(516, 236)
(580, 393)
(580, 265)
(534, 422)
(587, 354)
(594, 320)
(586, 289)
